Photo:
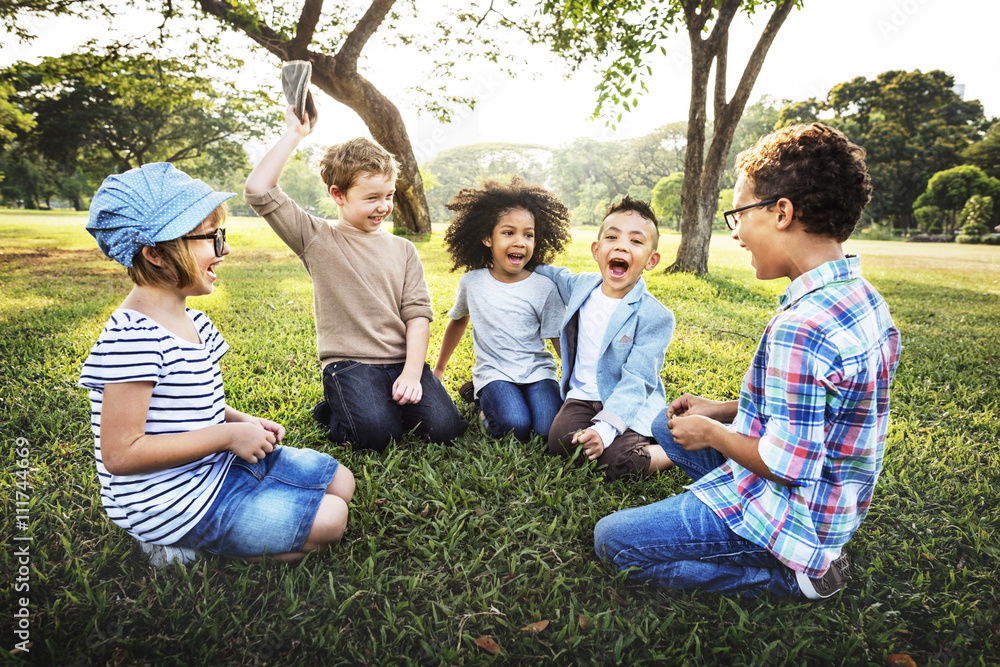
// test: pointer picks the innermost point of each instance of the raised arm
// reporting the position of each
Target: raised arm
(267, 172)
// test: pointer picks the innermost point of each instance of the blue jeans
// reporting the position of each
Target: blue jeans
(680, 543)
(265, 507)
(362, 412)
(521, 408)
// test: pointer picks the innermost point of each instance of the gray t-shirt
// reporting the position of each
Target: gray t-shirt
(510, 322)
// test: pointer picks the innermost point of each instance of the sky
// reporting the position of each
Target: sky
(825, 43)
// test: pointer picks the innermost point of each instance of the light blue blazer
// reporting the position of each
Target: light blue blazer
(632, 351)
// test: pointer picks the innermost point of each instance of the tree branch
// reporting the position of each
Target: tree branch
(347, 57)
(756, 62)
(255, 29)
(304, 29)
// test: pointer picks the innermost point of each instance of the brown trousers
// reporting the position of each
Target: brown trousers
(626, 457)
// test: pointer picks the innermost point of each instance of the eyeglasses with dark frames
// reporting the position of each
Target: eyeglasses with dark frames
(732, 217)
(219, 236)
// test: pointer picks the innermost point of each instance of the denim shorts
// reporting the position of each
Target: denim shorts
(266, 507)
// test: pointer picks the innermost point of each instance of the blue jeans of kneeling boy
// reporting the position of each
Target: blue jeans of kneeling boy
(362, 412)
(521, 408)
(680, 543)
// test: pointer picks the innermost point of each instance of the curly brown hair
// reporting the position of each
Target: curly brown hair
(818, 169)
(477, 211)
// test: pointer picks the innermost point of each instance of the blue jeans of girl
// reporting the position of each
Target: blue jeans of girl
(521, 408)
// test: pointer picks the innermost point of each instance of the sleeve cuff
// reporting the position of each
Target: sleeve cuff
(607, 432)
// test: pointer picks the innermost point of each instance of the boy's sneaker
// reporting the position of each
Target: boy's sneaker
(829, 583)
(160, 554)
(322, 413)
(468, 392)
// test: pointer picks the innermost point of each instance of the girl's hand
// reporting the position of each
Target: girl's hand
(274, 427)
(251, 441)
(591, 442)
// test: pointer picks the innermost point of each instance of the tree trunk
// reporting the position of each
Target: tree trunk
(338, 77)
(703, 171)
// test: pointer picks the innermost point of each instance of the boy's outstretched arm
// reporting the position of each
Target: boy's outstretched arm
(407, 388)
(267, 172)
(687, 405)
(452, 335)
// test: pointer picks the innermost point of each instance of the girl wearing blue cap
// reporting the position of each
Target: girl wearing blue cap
(179, 468)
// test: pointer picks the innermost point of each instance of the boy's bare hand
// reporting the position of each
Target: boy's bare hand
(407, 389)
(438, 373)
(693, 432)
(591, 442)
(250, 441)
(293, 124)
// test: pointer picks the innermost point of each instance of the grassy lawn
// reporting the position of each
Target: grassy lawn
(448, 545)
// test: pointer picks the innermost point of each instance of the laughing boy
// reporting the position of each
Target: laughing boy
(614, 339)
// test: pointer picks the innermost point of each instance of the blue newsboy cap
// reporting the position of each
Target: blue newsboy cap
(154, 202)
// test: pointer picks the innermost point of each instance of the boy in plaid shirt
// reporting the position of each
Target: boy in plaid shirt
(784, 475)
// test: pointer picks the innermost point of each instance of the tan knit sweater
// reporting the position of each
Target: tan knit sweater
(366, 286)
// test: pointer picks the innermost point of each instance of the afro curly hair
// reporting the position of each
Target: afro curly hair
(478, 210)
(818, 169)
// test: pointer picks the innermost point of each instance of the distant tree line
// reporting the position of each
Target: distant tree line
(69, 121)
(929, 153)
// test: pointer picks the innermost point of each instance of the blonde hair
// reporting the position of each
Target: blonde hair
(342, 164)
(178, 267)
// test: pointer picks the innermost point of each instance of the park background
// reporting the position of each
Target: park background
(448, 546)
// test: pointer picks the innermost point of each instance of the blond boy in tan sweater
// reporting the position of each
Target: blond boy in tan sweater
(372, 306)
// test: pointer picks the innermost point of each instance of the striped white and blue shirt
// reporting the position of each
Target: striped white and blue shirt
(160, 507)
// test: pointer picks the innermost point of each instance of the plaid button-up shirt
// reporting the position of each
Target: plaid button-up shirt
(817, 396)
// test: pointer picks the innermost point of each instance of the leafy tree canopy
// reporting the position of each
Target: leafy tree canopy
(622, 35)
(101, 113)
(912, 125)
(985, 154)
(951, 189)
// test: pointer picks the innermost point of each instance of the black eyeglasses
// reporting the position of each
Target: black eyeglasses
(219, 236)
(732, 217)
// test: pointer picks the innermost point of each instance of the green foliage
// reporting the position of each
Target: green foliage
(985, 153)
(758, 119)
(620, 36)
(97, 113)
(468, 166)
(930, 219)
(593, 200)
(911, 124)
(12, 119)
(447, 544)
(977, 212)
(666, 201)
(725, 203)
(951, 189)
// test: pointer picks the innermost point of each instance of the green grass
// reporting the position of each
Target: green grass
(449, 544)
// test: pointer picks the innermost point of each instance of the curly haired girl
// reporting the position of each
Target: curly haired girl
(499, 232)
